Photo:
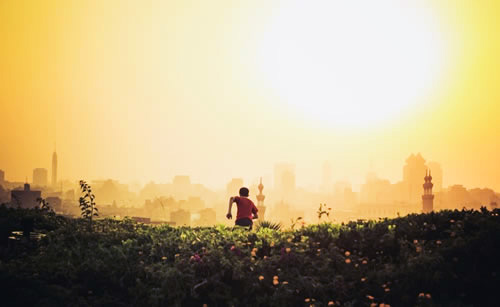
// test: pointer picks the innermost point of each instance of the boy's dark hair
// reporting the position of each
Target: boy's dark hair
(244, 192)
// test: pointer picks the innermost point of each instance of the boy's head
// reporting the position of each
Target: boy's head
(244, 192)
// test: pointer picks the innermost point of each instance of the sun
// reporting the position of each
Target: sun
(351, 63)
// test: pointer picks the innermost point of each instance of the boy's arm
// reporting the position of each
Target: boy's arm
(254, 211)
(229, 215)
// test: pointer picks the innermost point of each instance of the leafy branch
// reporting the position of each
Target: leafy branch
(323, 210)
(87, 203)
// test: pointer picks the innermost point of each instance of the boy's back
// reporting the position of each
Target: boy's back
(246, 207)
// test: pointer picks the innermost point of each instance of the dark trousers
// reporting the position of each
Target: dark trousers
(244, 222)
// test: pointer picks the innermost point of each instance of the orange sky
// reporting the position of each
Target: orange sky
(150, 89)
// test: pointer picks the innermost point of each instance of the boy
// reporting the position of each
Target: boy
(246, 209)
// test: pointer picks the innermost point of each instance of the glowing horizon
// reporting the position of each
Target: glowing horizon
(216, 90)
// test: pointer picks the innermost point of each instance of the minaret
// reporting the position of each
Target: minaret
(428, 197)
(260, 201)
(54, 168)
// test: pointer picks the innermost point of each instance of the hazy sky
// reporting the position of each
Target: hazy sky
(219, 89)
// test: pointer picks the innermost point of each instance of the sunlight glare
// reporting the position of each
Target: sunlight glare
(351, 63)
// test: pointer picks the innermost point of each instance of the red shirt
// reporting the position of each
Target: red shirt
(245, 208)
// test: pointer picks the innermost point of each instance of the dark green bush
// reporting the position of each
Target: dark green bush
(447, 258)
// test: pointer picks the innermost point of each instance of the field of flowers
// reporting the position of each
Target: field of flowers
(449, 258)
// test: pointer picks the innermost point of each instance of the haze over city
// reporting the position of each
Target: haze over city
(140, 92)
(249, 152)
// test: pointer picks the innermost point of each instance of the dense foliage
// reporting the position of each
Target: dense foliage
(447, 258)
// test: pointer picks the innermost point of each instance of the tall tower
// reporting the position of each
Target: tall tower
(54, 168)
(260, 201)
(428, 197)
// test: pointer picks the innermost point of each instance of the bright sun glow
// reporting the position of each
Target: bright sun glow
(352, 63)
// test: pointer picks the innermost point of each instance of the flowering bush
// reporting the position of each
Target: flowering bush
(437, 259)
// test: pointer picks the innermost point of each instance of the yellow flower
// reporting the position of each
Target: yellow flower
(261, 277)
(289, 240)
(288, 249)
(348, 261)
(272, 244)
(347, 253)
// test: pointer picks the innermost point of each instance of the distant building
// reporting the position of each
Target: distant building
(54, 169)
(412, 177)
(428, 197)
(181, 217)
(40, 177)
(260, 201)
(25, 198)
(181, 187)
(55, 203)
(284, 181)
(437, 176)
(207, 217)
(233, 187)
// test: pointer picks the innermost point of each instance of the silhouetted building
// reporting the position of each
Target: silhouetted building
(233, 187)
(428, 197)
(181, 187)
(4, 195)
(457, 196)
(207, 217)
(2, 176)
(284, 180)
(181, 217)
(25, 198)
(55, 203)
(40, 177)
(437, 176)
(412, 176)
(54, 169)
(260, 201)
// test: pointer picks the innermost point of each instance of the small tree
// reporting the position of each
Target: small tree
(87, 203)
(323, 210)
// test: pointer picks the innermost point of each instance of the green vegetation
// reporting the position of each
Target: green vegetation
(448, 258)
